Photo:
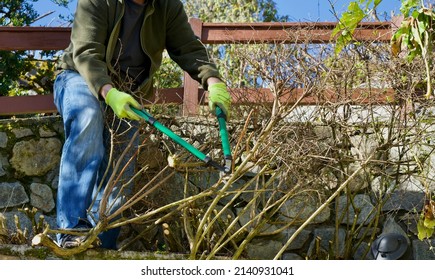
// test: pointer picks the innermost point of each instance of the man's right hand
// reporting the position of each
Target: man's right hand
(219, 96)
(120, 103)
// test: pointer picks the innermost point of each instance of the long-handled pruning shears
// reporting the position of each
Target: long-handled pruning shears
(226, 168)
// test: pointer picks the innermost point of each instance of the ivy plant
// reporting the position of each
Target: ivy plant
(415, 36)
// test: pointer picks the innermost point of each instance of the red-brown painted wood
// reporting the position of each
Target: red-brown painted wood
(57, 38)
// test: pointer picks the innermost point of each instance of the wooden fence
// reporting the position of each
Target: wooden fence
(57, 38)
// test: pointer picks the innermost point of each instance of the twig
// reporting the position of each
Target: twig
(42, 239)
(323, 206)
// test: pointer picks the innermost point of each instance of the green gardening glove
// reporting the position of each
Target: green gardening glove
(120, 103)
(219, 96)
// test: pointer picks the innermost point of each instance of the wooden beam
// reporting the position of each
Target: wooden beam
(57, 38)
(328, 96)
(34, 38)
(21, 105)
(31, 104)
(288, 32)
(35, 104)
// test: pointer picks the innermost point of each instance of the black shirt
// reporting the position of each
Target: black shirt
(129, 58)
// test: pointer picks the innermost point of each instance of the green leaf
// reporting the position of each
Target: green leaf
(417, 36)
(408, 5)
(424, 23)
(423, 232)
(347, 25)
(415, 14)
(429, 223)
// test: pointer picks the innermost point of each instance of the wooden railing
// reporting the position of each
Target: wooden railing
(57, 38)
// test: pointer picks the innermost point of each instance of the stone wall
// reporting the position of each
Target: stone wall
(29, 157)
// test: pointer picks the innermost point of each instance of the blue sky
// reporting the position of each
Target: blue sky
(320, 10)
(297, 10)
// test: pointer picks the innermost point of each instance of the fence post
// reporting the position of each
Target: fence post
(191, 87)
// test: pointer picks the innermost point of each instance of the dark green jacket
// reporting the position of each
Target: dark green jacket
(95, 31)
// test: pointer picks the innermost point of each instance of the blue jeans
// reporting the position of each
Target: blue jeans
(85, 159)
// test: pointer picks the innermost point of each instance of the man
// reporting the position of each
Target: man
(113, 43)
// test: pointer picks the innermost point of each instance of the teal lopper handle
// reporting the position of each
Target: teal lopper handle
(151, 120)
(224, 137)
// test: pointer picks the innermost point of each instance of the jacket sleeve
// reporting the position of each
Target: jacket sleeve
(88, 40)
(185, 48)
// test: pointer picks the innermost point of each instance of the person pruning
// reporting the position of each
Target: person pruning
(114, 41)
